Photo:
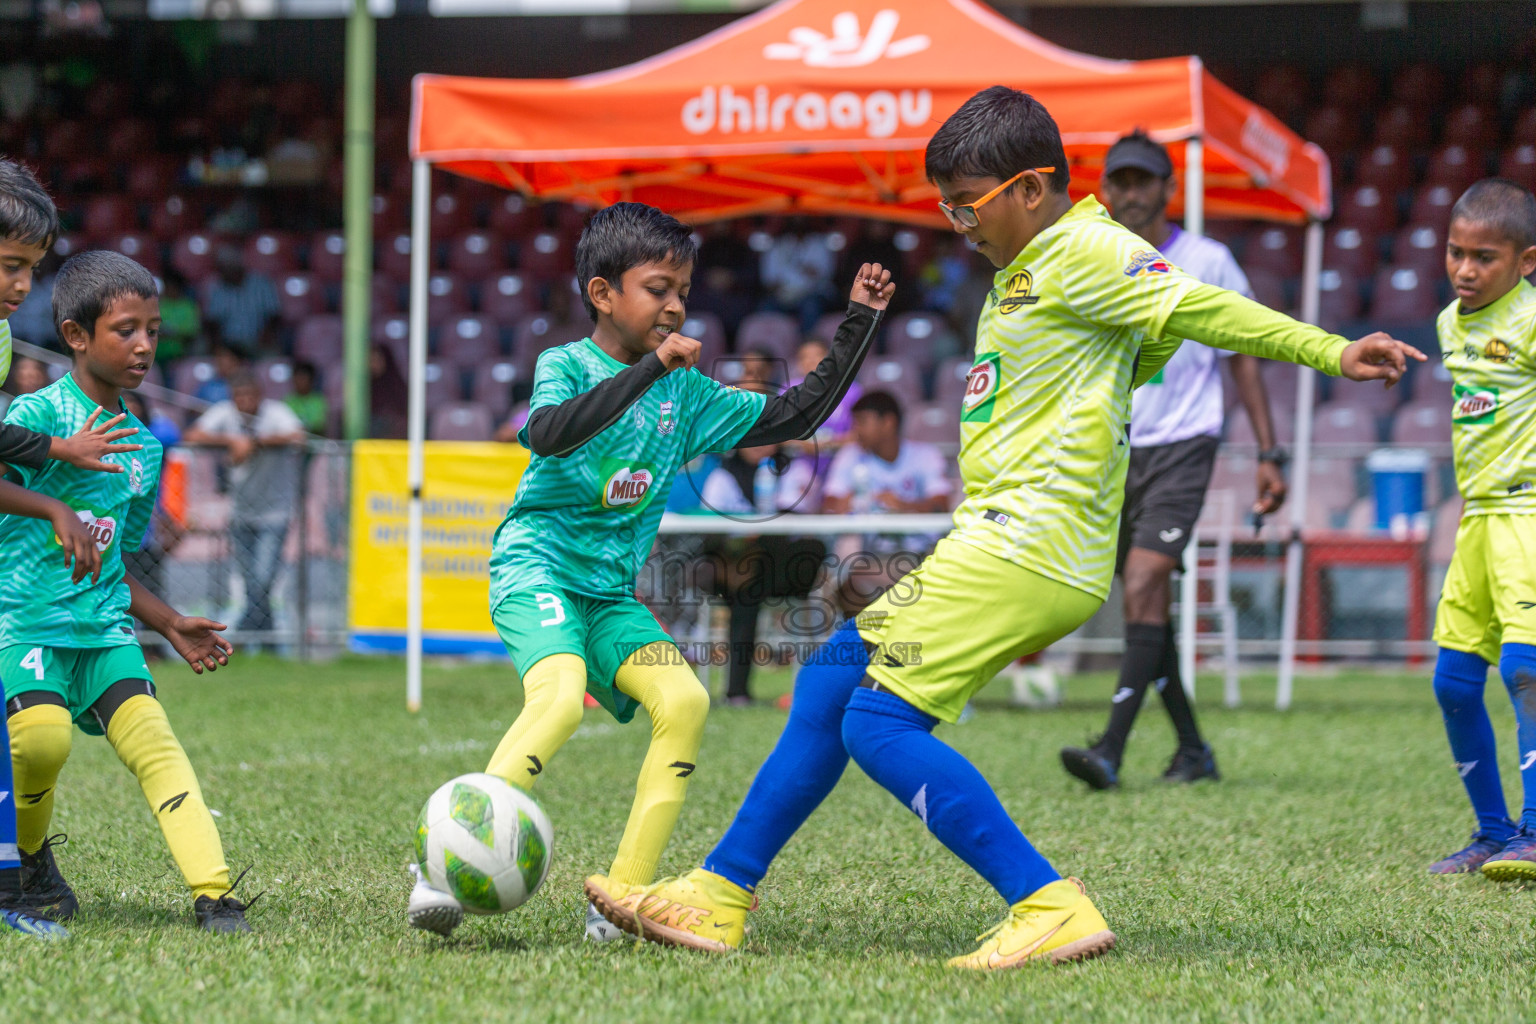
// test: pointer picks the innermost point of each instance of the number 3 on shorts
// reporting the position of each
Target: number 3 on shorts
(546, 602)
(34, 661)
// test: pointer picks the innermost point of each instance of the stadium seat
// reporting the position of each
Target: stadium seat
(727, 369)
(1431, 383)
(319, 340)
(149, 177)
(826, 327)
(192, 255)
(1432, 205)
(1331, 490)
(1455, 166)
(140, 247)
(1282, 416)
(1420, 248)
(328, 255)
(539, 331)
(1372, 399)
(1472, 126)
(1282, 89)
(493, 386)
(1351, 87)
(1420, 84)
(1524, 129)
(395, 255)
(189, 374)
(949, 383)
(468, 341)
(775, 333)
(129, 138)
(1442, 532)
(546, 256)
(933, 423)
(444, 384)
(462, 421)
(171, 217)
(1386, 168)
(1280, 381)
(1338, 299)
(477, 254)
(1268, 288)
(514, 217)
(272, 253)
(709, 332)
(1518, 164)
(447, 296)
(1403, 296)
(299, 297)
(105, 216)
(897, 375)
(66, 140)
(1276, 249)
(570, 219)
(276, 376)
(1351, 251)
(394, 333)
(1421, 422)
(390, 214)
(506, 298)
(1402, 126)
(1335, 129)
(923, 337)
(387, 295)
(1368, 209)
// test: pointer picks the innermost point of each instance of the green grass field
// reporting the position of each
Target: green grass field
(1293, 890)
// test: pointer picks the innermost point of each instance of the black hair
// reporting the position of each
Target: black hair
(621, 237)
(305, 366)
(997, 133)
(881, 403)
(89, 282)
(1503, 205)
(27, 214)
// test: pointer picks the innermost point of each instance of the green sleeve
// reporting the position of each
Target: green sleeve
(1154, 355)
(1223, 319)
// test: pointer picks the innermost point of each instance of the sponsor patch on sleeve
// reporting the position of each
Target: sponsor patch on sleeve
(1147, 261)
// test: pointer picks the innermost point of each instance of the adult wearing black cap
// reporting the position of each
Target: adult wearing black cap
(1176, 421)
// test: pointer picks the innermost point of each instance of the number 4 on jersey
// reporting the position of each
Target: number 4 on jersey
(34, 661)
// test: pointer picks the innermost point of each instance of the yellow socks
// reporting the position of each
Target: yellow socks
(678, 704)
(142, 737)
(553, 691)
(40, 739)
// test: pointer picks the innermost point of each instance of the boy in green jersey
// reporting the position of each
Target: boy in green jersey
(68, 651)
(1487, 612)
(613, 419)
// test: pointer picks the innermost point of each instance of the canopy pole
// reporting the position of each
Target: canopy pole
(1189, 581)
(416, 424)
(357, 202)
(1311, 275)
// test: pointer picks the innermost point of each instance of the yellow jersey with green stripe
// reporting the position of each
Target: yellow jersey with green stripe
(1491, 356)
(1045, 423)
(5, 350)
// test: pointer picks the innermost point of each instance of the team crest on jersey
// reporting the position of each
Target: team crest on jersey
(981, 386)
(667, 423)
(1497, 351)
(627, 487)
(1475, 405)
(136, 476)
(1016, 293)
(1147, 261)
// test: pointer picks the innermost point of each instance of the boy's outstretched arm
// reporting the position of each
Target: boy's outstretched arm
(556, 431)
(79, 547)
(800, 411)
(1227, 320)
(195, 638)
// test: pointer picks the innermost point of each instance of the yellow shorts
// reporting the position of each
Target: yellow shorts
(945, 629)
(1489, 596)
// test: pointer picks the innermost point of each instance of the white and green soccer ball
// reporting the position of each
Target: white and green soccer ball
(485, 842)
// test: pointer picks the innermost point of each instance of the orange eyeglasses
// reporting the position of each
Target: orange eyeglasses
(965, 216)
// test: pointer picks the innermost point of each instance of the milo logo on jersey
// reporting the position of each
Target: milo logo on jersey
(103, 529)
(981, 389)
(1475, 405)
(627, 486)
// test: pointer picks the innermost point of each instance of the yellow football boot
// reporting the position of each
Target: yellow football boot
(699, 910)
(1056, 923)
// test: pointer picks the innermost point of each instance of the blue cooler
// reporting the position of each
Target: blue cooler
(1397, 481)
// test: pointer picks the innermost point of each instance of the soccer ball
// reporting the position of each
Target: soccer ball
(1034, 686)
(484, 841)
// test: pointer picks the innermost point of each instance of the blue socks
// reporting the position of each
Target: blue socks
(893, 742)
(1459, 679)
(804, 766)
(1517, 664)
(10, 857)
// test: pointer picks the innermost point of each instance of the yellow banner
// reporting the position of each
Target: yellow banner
(467, 490)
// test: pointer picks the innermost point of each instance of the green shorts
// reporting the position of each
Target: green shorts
(946, 629)
(78, 675)
(537, 623)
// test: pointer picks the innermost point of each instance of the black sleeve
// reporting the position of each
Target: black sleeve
(22, 447)
(798, 413)
(558, 430)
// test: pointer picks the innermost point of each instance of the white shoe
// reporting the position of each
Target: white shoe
(432, 909)
(600, 929)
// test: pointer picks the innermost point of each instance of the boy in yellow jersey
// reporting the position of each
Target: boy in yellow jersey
(1083, 311)
(1487, 612)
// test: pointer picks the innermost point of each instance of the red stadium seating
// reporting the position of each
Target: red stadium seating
(916, 335)
(1268, 288)
(1420, 248)
(1422, 423)
(1282, 89)
(1351, 87)
(105, 216)
(390, 214)
(1282, 414)
(493, 387)
(192, 255)
(395, 255)
(477, 254)
(1335, 129)
(171, 217)
(1525, 126)
(1276, 249)
(1472, 126)
(512, 216)
(539, 331)
(1519, 164)
(468, 341)
(328, 255)
(319, 339)
(449, 216)
(1342, 422)
(276, 377)
(1403, 296)
(1402, 126)
(66, 140)
(149, 177)
(934, 424)
(129, 139)
(1420, 85)
(189, 374)
(1432, 206)
(447, 296)
(445, 384)
(1368, 209)
(706, 329)
(546, 256)
(774, 333)
(386, 295)
(1455, 167)
(506, 298)
(897, 375)
(1338, 298)
(272, 253)
(1351, 251)
(949, 384)
(1371, 399)
(1431, 383)
(1386, 168)
(299, 297)
(140, 247)
(462, 421)
(394, 333)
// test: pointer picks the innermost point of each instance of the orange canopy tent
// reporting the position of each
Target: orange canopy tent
(825, 106)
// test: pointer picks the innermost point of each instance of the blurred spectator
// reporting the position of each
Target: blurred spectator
(759, 372)
(27, 376)
(875, 244)
(387, 398)
(944, 275)
(747, 570)
(180, 319)
(147, 564)
(227, 364)
(241, 305)
(725, 276)
(507, 432)
(880, 472)
(308, 404)
(261, 437)
(33, 319)
(837, 426)
(797, 271)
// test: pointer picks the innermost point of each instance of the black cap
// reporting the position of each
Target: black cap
(1140, 152)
